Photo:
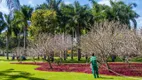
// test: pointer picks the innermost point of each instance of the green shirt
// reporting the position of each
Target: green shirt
(93, 61)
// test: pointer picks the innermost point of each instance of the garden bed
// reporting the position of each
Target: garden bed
(135, 69)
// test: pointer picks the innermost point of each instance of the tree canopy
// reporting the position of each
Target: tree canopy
(55, 17)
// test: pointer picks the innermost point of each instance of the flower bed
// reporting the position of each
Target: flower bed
(121, 68)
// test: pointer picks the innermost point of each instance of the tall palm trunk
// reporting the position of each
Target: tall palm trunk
(65, 54)
(60, 58)
(18, 37)
(72, 50)
(78, 42)
(72, 45)
(25, 38)
(7, 47)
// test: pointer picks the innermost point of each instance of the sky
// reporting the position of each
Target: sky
(138, 9)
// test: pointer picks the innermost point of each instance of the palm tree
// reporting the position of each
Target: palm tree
(42, 6)
(50, 4)
(75, 18)
(118, 11)
(100, 12)
(8, 25)
(123, 13)
(24, 15)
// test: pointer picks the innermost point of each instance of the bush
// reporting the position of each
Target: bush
(137, 59)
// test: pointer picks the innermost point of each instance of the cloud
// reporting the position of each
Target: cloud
(3, 7)
(30, 2)
(104, 2)
(67, 2)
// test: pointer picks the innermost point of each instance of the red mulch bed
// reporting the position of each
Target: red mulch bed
(121, 68)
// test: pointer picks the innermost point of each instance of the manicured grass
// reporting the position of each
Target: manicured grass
(75, 60)
(26, 72)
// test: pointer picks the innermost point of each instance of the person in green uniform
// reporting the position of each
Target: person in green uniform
(94, 66)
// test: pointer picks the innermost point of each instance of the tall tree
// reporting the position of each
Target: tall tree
(9, 26)
(100, 11)
(118, 11)
(43, 21)
(24, 15)
(50, 4)
(76, 18)
(55, 6)
(124, 13)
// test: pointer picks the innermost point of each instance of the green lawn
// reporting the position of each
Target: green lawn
(75, 60)
(26, 72)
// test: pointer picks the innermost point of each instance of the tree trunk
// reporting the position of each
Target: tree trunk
(79, 54)
(78, 42)
(65, 56)
(38, 57)
(7, 47)
(52, 56)
(107, 65)
(72, 47)
(86, 57)
(25, 38)
(18, 37)
(72, 54)
(60, 60)
(50, 65)
(127, 61)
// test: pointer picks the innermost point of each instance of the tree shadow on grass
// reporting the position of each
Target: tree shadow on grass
(10, 74)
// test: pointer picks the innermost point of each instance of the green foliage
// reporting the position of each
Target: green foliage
(50, 4)
(100, 11)
(10, 27)
(43, 21)
(24, 14)
(75, 18)
(54, 16)
(137, 59)
(75, 60)
(116, 60)
(118, 11)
